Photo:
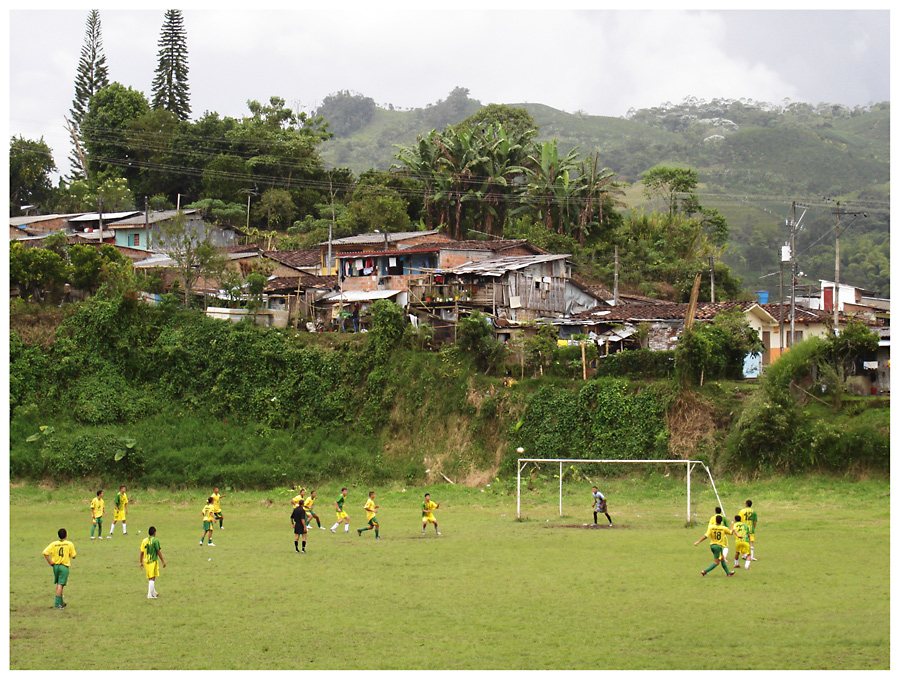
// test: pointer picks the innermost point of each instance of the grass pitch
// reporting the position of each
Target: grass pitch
(490, 593)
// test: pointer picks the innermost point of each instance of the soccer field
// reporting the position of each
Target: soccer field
(490, 593)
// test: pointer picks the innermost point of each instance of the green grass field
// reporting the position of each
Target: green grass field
(491, 593)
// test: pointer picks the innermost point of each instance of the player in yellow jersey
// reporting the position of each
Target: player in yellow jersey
(712, 523)
(310, 513)
(342, 516)
(121, 505)
(150, 558)
(748, 517)
(208, 522)
(217, 510)
(298, 499)
(428, 508)
(58, 555)
(718, 539)
(371, 521)
(741, 542)
(97, 513)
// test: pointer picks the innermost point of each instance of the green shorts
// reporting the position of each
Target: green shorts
(372, 522)
(717, 551)
(207, 526)
(60, 574)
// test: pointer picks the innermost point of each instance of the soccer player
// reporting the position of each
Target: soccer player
(208, 522)
(712, 523)
(58, 555)
(298, 522)
(298, 499)
(342, 517)
(600, 505)
(217, 510)
(308, 506)
(150, 558)
(371, 522)
(97, 513)
(428, 508)
(741, 542)
(748, 516)
(120, 512)
(717, 535)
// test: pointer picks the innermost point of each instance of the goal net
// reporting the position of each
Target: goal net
(689, 466)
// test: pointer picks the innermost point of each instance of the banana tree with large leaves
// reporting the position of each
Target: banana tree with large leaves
(551, 188)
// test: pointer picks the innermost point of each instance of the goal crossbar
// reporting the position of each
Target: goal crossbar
(689, 465)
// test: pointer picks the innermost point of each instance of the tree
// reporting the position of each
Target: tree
(670, 182)
(107, 133)
(193, 253)
(36, 270)
(516, 121)
(346, 111)
(30, 165)
(276, 208)
(90, 266)
(90, 78)
(170, 86)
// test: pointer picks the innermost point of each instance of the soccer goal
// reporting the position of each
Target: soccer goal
(689, 466)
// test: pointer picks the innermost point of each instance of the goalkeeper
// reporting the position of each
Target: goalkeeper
(600, 505)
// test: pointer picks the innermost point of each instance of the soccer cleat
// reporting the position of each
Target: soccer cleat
(201, 542)
(438, 533)
(753, 559)
(732, 573)
(100, 537)
(610, 524)
(322, 528)
(124, 533)
(378, 538)
(303, 551)
(359, 532)
(702, 573)
(63, 605)
(296, 549)
(211, 545)
(333, 531)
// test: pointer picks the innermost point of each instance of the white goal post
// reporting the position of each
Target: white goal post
(689, 465)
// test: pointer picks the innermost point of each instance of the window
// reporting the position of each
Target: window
(137, 240)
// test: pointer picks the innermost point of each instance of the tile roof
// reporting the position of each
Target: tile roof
(372, 238)
(303, 280)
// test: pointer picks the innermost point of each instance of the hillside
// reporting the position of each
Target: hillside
(753, 160)
(111, 387)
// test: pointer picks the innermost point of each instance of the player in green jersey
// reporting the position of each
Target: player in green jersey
(150, 558)
(58, 555)
(342, 516)
(717, 535)
(120, 513)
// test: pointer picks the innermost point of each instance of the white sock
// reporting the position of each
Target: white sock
(111, 529)
(346, 528)
(149, 587)
(124, 530)
(336, 525)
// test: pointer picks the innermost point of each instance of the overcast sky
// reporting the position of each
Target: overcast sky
(597, 61)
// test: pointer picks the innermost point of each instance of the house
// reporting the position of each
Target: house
(295, 296)
(88, 224)
(515, 288)
(33, 225)
(374, 242)
(142, 230)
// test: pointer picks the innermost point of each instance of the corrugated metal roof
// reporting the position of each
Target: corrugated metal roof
(360, 295)
(154, 216)
(107, 217)
(373, 238)
(498, 266)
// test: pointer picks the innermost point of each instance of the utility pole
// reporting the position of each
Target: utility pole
(837, 212)
(146, 224)
(100, 218)
(616, 279)
(712, 280)
(795, 224)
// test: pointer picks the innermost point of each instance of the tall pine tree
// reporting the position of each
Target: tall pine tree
(170, 86)
(92, 77)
